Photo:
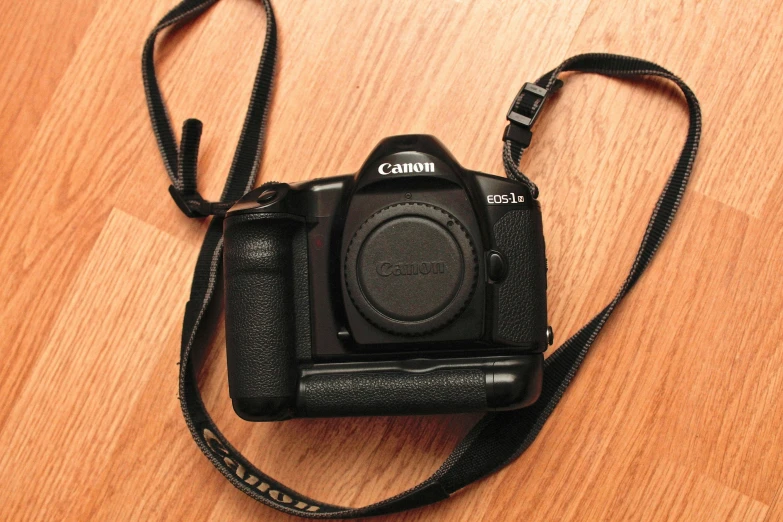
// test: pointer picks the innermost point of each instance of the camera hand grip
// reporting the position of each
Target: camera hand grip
(267, 322)
(420, 386)
(392, 393)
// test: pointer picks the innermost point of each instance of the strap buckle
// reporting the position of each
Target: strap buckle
(520, 123)
(522, 119)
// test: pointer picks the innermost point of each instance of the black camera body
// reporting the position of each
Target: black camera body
(413, 287)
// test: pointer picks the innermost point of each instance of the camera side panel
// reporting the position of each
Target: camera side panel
(521, 314)
(515, 262)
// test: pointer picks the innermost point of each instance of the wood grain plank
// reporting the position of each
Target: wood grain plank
(37, 48)
(349, 75)
(772, 219)
(776, 509)
(656, 489)
(677, 413)
(103, 346)
(68, 176)
(720, 49)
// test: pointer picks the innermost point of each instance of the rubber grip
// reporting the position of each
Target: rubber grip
(521, 305)
(392, 393)
(264, 278)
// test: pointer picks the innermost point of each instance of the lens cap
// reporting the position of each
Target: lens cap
(411, 268)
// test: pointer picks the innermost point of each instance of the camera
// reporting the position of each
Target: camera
(412, 287)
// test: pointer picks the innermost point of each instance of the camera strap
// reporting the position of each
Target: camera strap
(499, 437)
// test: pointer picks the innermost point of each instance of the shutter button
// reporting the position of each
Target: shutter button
(496, 266)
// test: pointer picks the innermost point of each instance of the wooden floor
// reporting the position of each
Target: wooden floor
(677, 414)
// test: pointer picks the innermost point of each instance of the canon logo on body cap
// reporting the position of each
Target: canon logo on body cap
(385, 169)
(386, 269)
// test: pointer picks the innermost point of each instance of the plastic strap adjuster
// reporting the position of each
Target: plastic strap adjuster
(519, 126)
(527, 120)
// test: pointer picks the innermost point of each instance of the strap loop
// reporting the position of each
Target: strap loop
(181, 163)
(195, 206)
(187, 164)
(184, 191)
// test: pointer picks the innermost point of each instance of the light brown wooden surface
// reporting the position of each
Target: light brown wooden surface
(678, 411)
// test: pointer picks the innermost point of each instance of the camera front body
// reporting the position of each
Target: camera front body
(412, 287)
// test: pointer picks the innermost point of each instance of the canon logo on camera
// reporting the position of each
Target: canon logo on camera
(386, 269)
(385, 169)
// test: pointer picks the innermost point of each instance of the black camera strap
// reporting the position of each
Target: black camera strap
(498, 438)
